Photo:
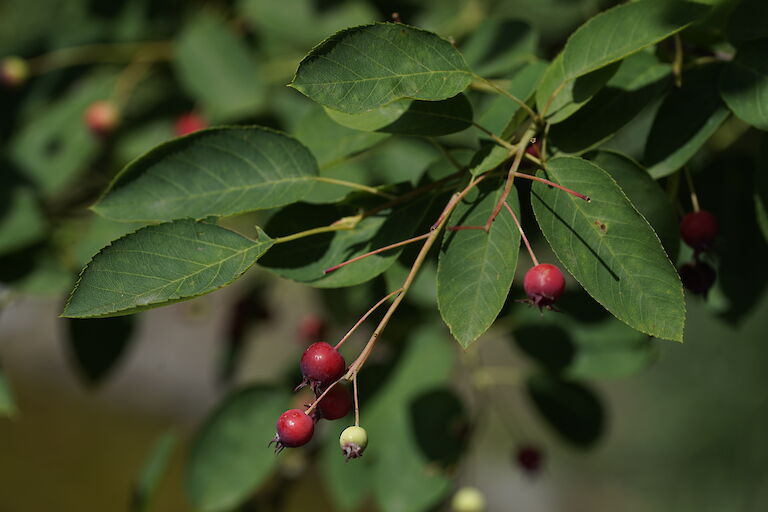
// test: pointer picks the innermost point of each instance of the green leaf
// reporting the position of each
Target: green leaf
(433, 118)
(214, 66)
(747, 22)
(500, 114)
(489, 156)
(610, 248)
(305, 259)
(160, 265)
(7, 404)
(152, 472)
(214, 172)
(572, 409)
(229, 457)
(96, 344)
(54, 146)
(639, 80)
(684, 122)
(498, 46)
(403, 479)
(371, 120)
(331, 142)
(761, 187)
(21, 220)
(623, 30)
(744, 84)
(560, 97)
(365, 67)
(646, 196)
(475, 268)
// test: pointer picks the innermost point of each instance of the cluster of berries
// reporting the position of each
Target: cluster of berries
(322, 367)
(699, 230)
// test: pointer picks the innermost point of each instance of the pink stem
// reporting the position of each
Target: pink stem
(551, 184)
(366, 315)
(522, 234)
(382, 249)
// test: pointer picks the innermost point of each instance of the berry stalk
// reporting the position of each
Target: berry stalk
(366, 315)
(522, 234)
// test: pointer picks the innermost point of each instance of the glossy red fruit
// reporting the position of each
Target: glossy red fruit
(697, 277)
(699, 230)
(294, 428)
(544, 284)
(321, 364)
(336, 404)
(312, 328)
(101, 117)
(529, 458)
(189, 123)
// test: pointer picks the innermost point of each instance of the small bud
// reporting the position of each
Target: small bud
(102, 117)
(13, 71)
(468, 499)
(353, 442)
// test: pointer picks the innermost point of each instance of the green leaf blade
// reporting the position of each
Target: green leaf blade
(214, 172)
(623, 30)
(610, 248)
(365, 67)
(160, 265)
(475, 268)
(744, 84)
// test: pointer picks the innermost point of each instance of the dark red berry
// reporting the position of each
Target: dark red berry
(294, 428)
(698, 277)
(321, 364)
(189, 123)
(544, 284)
(336, 404)
(699, 230)
(534, 149)
(529, 458)
(312, 328)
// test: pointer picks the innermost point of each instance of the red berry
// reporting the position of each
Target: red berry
(312, 328)
(544, 284)
(529, 458)
(336, 404)
(321, 364)
(294, 428)
(697, 277)
(699, 230)
(102, 117)
(189, 123)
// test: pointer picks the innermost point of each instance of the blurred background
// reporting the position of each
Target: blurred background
(571, 412)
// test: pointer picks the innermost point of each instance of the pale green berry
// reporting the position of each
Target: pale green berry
(13, 71)
(353, 442)
(468, 499)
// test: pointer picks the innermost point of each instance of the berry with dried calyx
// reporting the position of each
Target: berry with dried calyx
(697, 277)
(353, 441)
(544, 284)
(321, 364)
(699, 230)
(102, 117)
(294, 428)
(189, 123)
(529, 458)
(468, 499)
(312, 328)
(336, 403)
(14, 71)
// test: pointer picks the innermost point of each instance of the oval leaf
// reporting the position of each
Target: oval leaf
(365, 67)
(610, 248)
(623, 30)
(215, 172)
(744, 84)
(371, 120)
(475, 269)
(433, 118)
(159, 265)
(229, 457)
(96, 345)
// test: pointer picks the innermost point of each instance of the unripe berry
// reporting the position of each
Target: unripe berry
(102, 117)
(699, 230)
(336, 403)
(13, 71)
(697, 277)
(353, 441)
(312, 328)
(188, 123)
(294, 428)
(529, 458)
(321, 364)
(544, 284)
(468, 499)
